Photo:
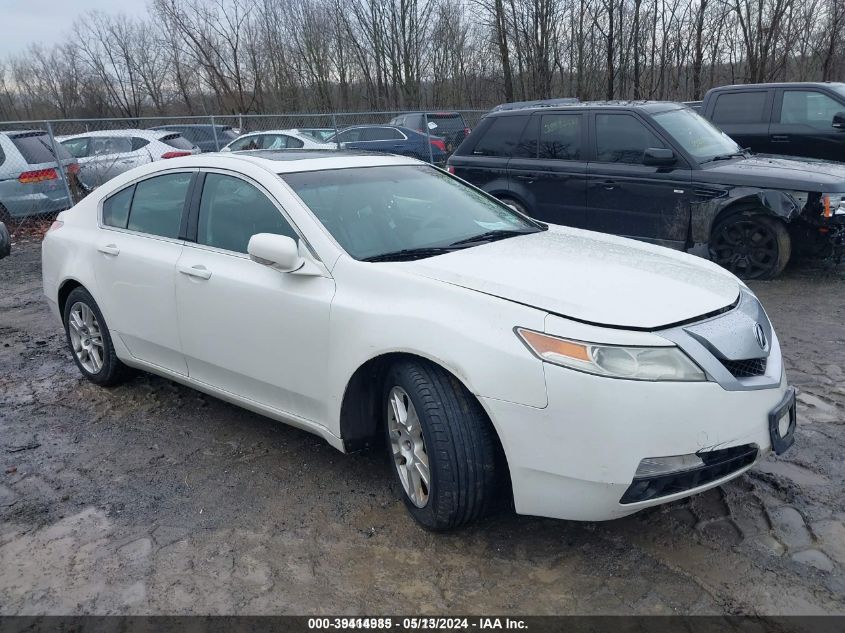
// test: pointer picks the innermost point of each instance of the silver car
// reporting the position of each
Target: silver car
(30, 184)
(104, 154)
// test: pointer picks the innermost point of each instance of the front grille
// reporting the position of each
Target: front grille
(746, 368)
(717, 464)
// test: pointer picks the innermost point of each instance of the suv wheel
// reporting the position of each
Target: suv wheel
(440, 445)
(751, 246)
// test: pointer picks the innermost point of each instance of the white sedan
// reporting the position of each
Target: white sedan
(276, 139)
(379, 300)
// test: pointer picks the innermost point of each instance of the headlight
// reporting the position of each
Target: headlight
(833, 204)
(633, 363)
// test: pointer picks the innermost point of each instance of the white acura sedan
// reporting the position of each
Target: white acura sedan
(378, 300)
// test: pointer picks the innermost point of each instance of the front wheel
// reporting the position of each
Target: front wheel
(751, 246)
(440, 444)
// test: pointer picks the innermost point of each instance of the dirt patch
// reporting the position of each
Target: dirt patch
(153, 498)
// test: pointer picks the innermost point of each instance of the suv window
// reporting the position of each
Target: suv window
(382, 134)
(740, 107)
(808, 107)
(36, 148)
(232, 211)
(351, 136)
(78, 147)
(157, 204)
(622, 138)
(104, 146)
(560, 136)
(501, 136)
(116, 208)
(449, 122)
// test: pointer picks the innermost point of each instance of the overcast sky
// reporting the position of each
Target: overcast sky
(24, 22)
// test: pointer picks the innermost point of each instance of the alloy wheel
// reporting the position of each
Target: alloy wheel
(745, 247)
(408, 446)
(86, 337)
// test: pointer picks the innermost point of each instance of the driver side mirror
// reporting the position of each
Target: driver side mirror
(838, 121)
(659, 157)
(279, 251)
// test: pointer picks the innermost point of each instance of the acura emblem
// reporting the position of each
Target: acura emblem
(760, 335)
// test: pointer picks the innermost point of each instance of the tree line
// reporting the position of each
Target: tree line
(194, 57)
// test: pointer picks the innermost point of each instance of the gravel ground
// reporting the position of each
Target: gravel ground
(151, 498)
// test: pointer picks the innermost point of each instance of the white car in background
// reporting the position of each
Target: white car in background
(379, 300)
(104, 154)
(276, 139)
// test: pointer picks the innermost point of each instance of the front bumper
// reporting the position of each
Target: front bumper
(577, 457)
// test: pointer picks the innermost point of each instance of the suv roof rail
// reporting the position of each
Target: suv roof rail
(541, 103)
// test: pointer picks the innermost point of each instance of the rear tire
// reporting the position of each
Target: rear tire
(751, 245)
(90, 342)
(440, 444)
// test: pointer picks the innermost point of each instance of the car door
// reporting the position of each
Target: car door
(548, 171)
(626, 197)
(802, 124)
(744, 116)
(246, 327)
(108, 156)
(484, 163)
(137, 249)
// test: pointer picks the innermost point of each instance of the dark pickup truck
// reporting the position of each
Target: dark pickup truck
(658, 172)
(789, 119)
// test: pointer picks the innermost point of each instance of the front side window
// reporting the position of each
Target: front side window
(622, 138)
(157, 204)
(350, 136)
(232, 211)
(105, 146)
(382, 134)
(376, 211)
(78, 147)
(560, 136)
(501, 137)
(696, 135)
(807, 107)
(116, 208)
(247, 143)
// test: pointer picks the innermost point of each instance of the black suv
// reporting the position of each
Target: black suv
(792, 119)
(658, 172)
(450, 126)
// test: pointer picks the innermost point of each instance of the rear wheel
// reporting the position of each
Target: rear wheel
(751, 246)
(90, 342)
(440, 444)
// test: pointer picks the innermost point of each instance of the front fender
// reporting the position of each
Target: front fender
(705, 212)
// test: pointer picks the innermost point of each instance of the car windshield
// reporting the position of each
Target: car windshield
(697, 136)
(403, 211)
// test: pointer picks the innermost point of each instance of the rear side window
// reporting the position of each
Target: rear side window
(622, 138)
(116, 208)
(560, 136)
(157, 205)
(232, 211)
(740, 107)
(807, 107)
(37, 149)
(501, 136)
(78, 147)
(105, 146)
(178, 141)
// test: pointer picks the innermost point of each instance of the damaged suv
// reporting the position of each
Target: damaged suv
(658, 172)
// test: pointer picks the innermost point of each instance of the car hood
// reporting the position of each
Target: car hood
(780, 172)
(590, 277)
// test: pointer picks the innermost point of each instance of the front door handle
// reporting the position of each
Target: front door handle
(780, 138)
(610, 185)
(109, 249)
(198, 270)
(526, 177)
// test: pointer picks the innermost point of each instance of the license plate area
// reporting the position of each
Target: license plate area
(782, 420)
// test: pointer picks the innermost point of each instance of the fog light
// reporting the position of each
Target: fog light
(652, 466)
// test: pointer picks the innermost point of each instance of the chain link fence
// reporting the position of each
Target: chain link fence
(47, 166)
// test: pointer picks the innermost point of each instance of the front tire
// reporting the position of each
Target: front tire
(90, 342)
(751, 246)
(440, 444)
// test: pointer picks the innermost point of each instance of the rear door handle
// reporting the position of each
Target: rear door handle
(198, 270)
(528, 177)
(610, 185)
(780, 138)
(109, 249)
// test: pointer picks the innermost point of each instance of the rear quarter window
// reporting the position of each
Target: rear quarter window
(178, 141)
(740, 107)
(37, 149)
(116, 208)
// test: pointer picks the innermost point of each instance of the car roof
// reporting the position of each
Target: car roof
(172, 126)
(152, 135)
(20, 133)
(290, 161)
(642, 105)
(784, 84)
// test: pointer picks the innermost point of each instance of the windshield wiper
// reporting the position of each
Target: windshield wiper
(407, 254)
(490, 236)
(741, 154)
